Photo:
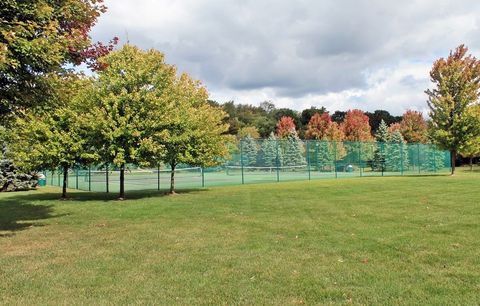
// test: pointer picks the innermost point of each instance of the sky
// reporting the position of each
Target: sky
(339, 54)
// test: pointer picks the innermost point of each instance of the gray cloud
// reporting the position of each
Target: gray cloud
(294, 49)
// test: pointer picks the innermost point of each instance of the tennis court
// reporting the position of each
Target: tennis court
(264, 161)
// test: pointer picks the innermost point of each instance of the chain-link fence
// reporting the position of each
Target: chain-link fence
(269, 160)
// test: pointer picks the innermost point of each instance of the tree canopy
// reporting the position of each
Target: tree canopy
(38, 38)
(456, 89)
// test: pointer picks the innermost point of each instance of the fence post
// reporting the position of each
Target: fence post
(241, 160)
(335, 158)
(106, 178)
(203, 177)
(59, 174)
(360, 157)
(435, 161)
(158, 177)
(89, 178)
(277, 161)
(418, 158)
(76, 178)
(382, 154)
(401, 156)
(308, 160)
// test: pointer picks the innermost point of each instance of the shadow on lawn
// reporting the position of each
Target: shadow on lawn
(21, 210)
(18, 213)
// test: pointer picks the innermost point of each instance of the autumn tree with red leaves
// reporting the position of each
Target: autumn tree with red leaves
(413, 127)
(356, 126)
(285, 126)
(321, 127)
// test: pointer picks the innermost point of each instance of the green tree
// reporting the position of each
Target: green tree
(293, 150)
(271, 153)
(248, 131)
(396, 153)
(51, 140)
(249, 151)
(128, 107)
(382, 137)
(38, 38)
(457, 85)
(194, 131)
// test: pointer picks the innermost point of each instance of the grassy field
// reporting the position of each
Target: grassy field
(393, 240)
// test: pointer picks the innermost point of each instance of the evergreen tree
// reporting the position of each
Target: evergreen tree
(383, 137)
(293, 150)
(396, 153)
(434, 159)
(249, 151)
(269, 151)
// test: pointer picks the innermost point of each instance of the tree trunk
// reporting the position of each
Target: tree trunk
(471, 163)
(65, 179)
(453, 155)
(172, 178)
(122, 183)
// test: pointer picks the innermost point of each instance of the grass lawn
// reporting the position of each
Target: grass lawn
(393, 240)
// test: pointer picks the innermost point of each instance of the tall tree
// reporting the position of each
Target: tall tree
(357, 130)
(270, 152)
(457, 85)
(38, 38)
(54, 139)
(128, 106)
(285, 126)
(396, 153)
(356, 126)
(249, 151)
(379, 156)
(414, 127)
(318, 126)
(194, 133)
(293, 150)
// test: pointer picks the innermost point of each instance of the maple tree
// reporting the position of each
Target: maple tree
(285, 126)
(356, 126)
(456, 90)
(38, 38)
(414, 127)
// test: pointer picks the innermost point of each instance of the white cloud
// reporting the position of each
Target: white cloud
(340, 54)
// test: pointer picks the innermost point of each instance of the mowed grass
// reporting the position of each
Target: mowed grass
(396, 240)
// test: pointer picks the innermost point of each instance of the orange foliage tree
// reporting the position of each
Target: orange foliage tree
(413, 127)
(356, 126)
(285, 126)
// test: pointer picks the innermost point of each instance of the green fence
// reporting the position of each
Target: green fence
(261, 161)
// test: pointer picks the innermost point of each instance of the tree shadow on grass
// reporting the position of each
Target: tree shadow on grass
(18, 213)
(22, 210)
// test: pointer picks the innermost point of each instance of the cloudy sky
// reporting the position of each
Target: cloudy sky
(338, 54)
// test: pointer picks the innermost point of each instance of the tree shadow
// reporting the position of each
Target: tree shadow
(18, 213)
(22, 210)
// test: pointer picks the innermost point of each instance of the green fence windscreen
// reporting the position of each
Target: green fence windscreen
(270, 160)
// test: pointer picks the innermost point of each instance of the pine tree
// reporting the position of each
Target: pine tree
(434, 159)
(249, 151)
(293, 150)
(383, 137)
(269, 151)
(396, 153)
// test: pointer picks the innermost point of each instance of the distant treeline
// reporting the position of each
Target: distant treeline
(265, 117)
